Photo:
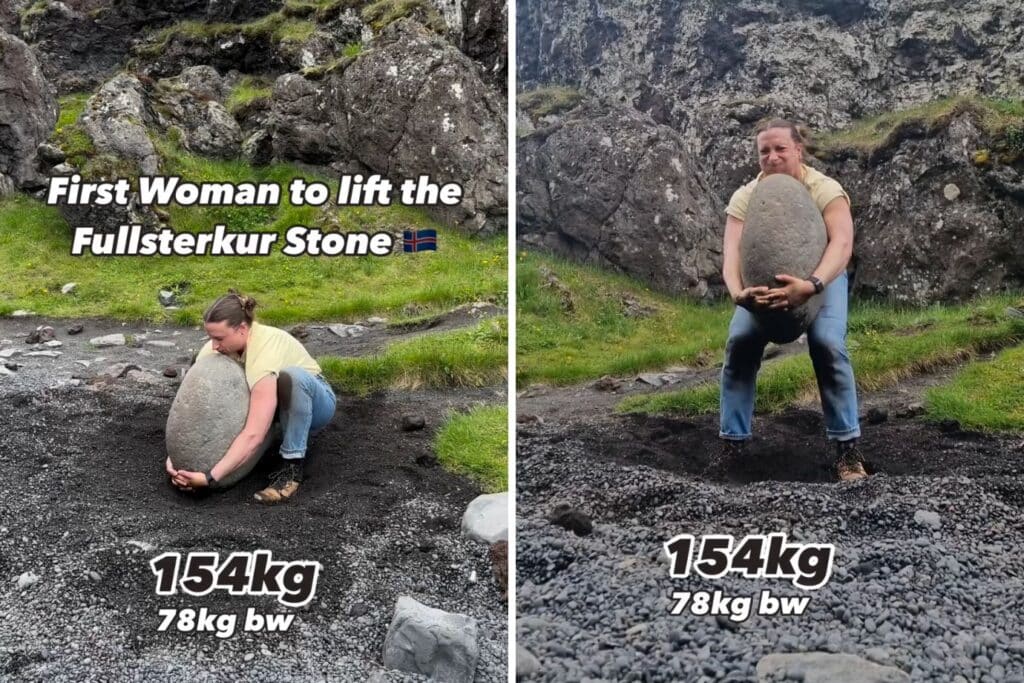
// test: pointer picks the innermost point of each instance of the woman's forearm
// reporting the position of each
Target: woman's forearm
(241, 449)
(833, 261)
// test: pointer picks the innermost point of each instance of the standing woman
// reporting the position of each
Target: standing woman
(283, 380)
(780, 148)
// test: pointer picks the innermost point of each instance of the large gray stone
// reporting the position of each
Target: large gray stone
(413, 105)
(207, 414)
(486, 518)
(116, 117)
(821, 667)
(431, 642)
(784, 233)
(191, 104)
(604, 184)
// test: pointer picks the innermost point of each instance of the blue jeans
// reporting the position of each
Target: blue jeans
(826, 340)
(311, 407)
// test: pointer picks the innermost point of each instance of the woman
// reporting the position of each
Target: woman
(780, 148)
(283, 379)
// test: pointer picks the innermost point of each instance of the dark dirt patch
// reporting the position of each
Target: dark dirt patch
(84, 491)
(791, 446)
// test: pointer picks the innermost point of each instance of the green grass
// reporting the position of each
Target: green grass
(68, 135)
(475, 444)
(984, 395)
(35, 258)
(336, 65)
(352, 50)
(385, 12)
(548, 100)
(473, 357)
(278, 27)
(595, 338)
(885, 345)
(249, 90)
(1001, 119)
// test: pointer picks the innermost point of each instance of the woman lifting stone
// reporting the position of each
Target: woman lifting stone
(780, 147)
(284, 381)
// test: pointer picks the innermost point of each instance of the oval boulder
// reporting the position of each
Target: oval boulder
(783, 233)
(207, 414)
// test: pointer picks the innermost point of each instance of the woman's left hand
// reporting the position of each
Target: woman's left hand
(189, 481)
(794, 292)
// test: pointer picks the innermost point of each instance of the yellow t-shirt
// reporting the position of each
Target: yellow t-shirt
(822, 188)
(268, 351)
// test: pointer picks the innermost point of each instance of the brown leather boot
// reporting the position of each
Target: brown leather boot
(283, 484)
(849, 463)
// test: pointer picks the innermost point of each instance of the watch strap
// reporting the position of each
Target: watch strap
(819, 286)
(210, 481)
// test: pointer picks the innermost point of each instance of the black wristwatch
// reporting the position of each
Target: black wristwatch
(210, 481)
(819, 286)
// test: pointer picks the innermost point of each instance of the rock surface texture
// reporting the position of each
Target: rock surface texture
(824, 667)
(81, 43)
(116, 117)
(207, 414)
(712, 71)
(413, 105)
(27, 110)
(607, 185)
(913, 243)
(486, 518)
(783, 234)
(431, 642)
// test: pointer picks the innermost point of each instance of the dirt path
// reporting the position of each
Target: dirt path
(155, 348)
(936, 602)
(85, 506)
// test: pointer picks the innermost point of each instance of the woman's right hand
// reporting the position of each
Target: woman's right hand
(171, 472)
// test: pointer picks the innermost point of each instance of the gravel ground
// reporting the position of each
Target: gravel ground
(85, 505)
(941, 604)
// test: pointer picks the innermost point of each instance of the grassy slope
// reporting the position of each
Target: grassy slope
(475, 444)
(562, 345)
(472, 357)
(987, 396)
(885, 345)
(557, 346)
(1001, 119)
(35, 255)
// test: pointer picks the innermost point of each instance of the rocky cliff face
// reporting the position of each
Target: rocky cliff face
(398, 88)
(712, 69)
(27, 113)
(609, 186)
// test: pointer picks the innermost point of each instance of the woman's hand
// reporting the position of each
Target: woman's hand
(189, 481)
(794, 292)
(749, 297)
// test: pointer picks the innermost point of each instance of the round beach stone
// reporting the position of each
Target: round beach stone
(784, 233)
(208, 412)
